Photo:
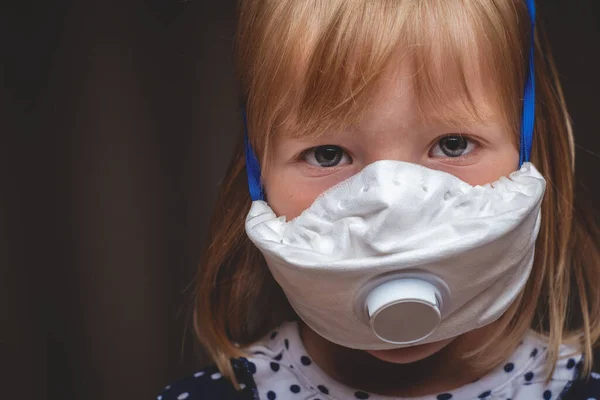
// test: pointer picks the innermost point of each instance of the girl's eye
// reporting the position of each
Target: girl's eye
(326, 156)
(452, 146)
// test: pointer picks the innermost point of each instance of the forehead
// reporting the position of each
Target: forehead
(396, 100)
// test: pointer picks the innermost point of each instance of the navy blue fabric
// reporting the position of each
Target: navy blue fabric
(204, 387)
(582, 390)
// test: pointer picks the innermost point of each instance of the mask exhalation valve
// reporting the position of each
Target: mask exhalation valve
(404, 311)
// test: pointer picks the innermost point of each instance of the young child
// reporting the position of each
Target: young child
(398, 219)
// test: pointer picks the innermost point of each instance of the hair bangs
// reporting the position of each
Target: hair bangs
(460, 53)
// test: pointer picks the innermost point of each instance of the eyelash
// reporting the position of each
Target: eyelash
(470, 141)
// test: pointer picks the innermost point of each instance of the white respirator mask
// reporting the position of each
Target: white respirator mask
(400, 254)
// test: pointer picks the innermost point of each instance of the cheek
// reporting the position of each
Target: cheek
(490, 168)
(289, 197)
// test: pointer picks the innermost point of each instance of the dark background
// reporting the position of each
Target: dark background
(117, 120)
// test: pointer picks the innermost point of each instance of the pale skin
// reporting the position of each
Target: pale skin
(303, 168)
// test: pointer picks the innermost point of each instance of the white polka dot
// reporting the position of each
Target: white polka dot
(198, 374)
(159, 398)
(595, 375)
(216, 376)
(167, 387)
(591, 398)
(183, 396)
(242, 386)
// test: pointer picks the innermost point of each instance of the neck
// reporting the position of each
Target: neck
(441, 372)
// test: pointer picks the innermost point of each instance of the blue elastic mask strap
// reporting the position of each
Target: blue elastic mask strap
(252, 167)
(529, 96)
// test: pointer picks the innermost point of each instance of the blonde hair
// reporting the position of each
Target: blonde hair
(307, 66)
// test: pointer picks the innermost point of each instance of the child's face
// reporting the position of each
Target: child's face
(303, 168)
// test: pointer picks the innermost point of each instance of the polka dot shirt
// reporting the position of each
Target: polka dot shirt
(280, 368)
(284, 369)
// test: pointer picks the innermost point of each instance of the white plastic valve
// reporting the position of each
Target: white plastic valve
(404, 311)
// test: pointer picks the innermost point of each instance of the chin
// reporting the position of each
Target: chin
(410, 354)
